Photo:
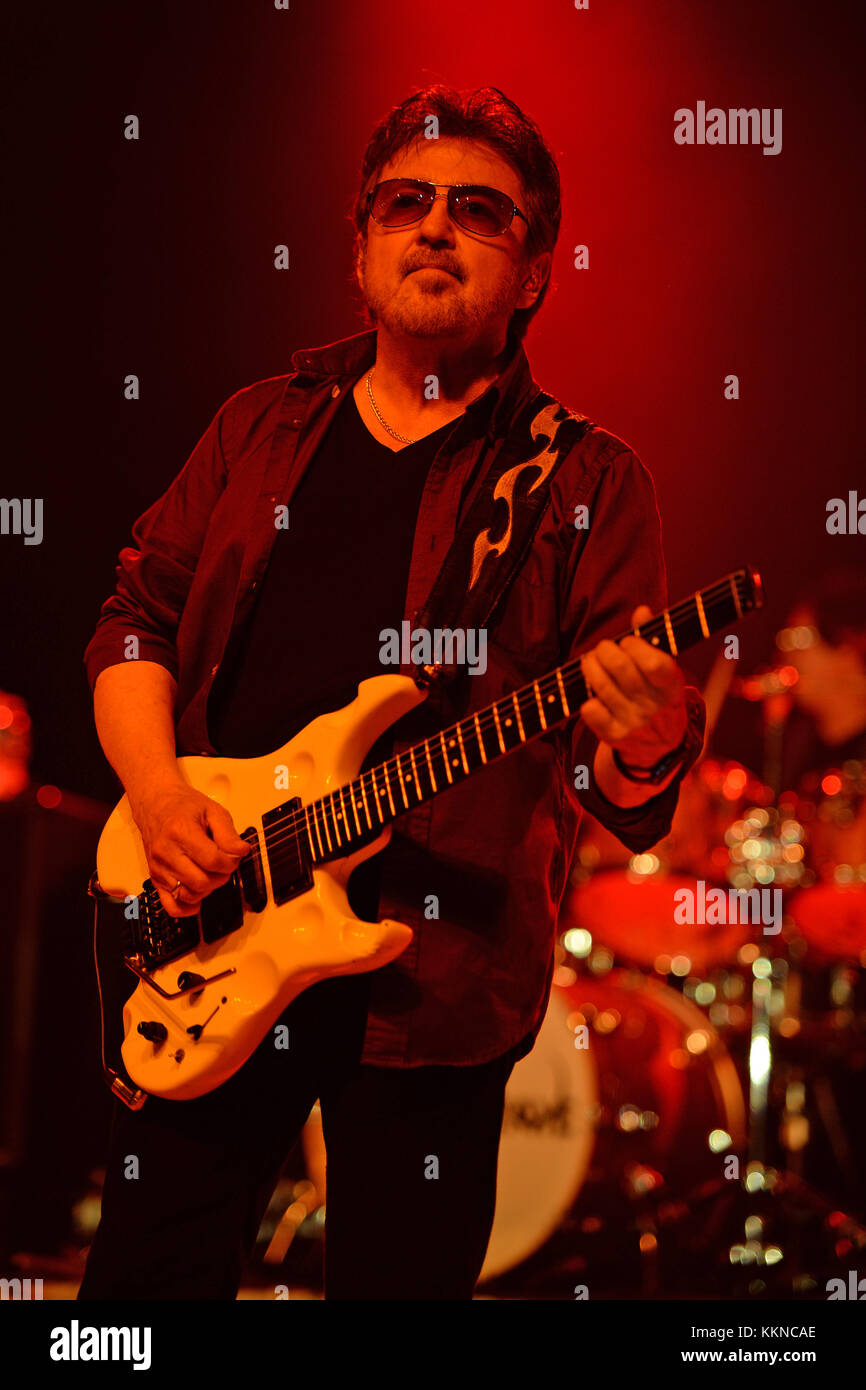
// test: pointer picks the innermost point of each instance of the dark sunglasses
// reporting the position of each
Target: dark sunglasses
(400, 202)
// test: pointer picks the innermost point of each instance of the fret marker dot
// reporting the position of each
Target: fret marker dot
(550, 699)
(655, 641)
(451, 743)
(455, 762)
(508, 723)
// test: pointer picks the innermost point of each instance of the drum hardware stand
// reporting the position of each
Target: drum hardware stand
(783, 1200)
(760, 1064)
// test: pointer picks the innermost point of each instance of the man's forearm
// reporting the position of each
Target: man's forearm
(133, 707)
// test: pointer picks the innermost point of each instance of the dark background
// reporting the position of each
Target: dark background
(155, 257)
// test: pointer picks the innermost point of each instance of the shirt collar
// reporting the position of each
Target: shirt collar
(490, 413)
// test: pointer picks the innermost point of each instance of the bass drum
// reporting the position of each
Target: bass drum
(629, 1088)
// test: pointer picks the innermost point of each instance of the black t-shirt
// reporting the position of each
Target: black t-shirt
(337, 576)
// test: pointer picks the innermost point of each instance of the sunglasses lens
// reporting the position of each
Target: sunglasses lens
(483, 210)
(399, 202)
(396, 202)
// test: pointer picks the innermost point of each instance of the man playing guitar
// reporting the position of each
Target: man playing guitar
(244, 628)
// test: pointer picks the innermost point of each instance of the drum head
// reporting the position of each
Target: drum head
(652, 1087)
(548, 1133)
(634, 917)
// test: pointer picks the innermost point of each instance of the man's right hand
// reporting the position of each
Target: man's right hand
(188, 837)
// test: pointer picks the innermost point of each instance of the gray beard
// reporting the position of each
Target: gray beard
(440, 315)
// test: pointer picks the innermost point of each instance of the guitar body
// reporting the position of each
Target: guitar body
(198, 994)
(272, 954)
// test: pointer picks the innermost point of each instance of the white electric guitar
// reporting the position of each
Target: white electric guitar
(202, 991)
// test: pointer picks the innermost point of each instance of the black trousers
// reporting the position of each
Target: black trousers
(411, 1168)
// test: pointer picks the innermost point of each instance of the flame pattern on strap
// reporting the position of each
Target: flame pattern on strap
(544, 430)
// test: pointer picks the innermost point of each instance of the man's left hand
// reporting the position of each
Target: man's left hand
(637, 705)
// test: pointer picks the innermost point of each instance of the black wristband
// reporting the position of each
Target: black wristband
(659, 771)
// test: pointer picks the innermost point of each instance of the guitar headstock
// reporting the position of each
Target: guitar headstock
(750, 588)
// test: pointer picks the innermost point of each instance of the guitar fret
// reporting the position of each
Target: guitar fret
(309, 832)
(449, 774)
(430, 765)
(364, 799)
(480, 739)
(374, 785)
(462, 749)
(498, 727)
(415, 774)
(519, 717)
(402, 781)
(388, 786)
(541, 714)
(562, 696)
(699, 600)
(335, 816)
(736, 596)
(325, 823)
(672, 646)
(354, 807)
(318, 831)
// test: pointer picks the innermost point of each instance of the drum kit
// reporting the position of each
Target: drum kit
(657, 1140)
(690, 1122)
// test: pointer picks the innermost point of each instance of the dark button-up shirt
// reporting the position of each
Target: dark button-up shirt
(492, 852)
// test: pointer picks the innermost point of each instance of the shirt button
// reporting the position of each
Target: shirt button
(335, 391)
(297, 420)
(254, 583)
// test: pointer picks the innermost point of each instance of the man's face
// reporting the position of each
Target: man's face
(433, 279)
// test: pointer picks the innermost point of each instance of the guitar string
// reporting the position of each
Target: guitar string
(296, 824)
(297, 820)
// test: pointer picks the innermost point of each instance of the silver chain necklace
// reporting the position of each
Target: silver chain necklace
(382, 421)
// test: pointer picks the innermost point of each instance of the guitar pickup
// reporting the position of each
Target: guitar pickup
(251, 873)
(288, 859)
(222, 911)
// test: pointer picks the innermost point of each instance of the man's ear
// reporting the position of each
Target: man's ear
(534, 280)
(360, 250)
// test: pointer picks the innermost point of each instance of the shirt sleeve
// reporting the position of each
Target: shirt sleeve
(616, 563)
(155, 573)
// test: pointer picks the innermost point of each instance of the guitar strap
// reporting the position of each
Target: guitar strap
(497, 532)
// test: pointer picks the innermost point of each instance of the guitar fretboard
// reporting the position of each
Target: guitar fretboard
(340, 822)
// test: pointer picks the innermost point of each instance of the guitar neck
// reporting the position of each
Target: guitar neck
(339, 822)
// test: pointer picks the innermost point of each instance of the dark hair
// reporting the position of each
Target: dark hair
(490, 117)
